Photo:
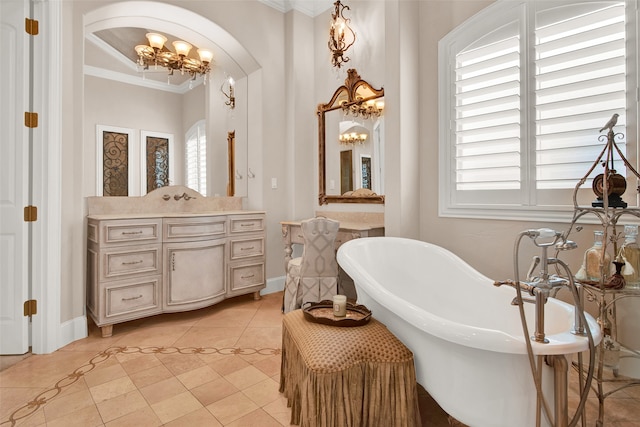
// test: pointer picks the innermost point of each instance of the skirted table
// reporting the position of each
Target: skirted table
(346, 376)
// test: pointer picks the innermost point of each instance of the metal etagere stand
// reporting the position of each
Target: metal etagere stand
(609, 209)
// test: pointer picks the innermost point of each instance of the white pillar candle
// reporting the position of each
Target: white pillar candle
(340, 305)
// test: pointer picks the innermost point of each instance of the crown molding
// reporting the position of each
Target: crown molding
(310, 8)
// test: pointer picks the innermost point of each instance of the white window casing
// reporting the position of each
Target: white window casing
(525, 87)
(196, 158)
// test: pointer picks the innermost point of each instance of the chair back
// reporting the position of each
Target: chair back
(319, 254)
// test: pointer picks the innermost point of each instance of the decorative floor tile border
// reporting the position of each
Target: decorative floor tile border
(46, 396)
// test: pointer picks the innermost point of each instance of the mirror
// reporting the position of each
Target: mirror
(351, 158)
(117, 92)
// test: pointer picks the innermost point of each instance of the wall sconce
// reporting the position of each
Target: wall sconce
(341, 36)
(231, 103)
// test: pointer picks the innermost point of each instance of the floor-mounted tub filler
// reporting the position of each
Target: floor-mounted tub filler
(466, 336)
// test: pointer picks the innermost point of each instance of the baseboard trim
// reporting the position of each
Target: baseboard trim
(275, 284)
(73, 330)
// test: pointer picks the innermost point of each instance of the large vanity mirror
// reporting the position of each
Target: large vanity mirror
(351, 144)
(152, 127)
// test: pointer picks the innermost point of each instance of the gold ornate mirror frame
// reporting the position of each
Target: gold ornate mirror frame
(355, 91)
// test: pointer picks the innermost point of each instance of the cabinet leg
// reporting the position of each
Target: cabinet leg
(107, 331)
(256, 295)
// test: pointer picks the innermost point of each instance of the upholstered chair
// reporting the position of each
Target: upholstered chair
(313, 276)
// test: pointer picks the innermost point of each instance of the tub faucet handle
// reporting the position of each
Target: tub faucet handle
(532, 267)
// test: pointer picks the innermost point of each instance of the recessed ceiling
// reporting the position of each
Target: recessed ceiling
(110, 53)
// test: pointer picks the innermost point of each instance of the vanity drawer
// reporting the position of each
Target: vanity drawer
(246, 224)
(296, 234)
(124, 261)
(122, 232)
(246, 275)
(198, 228)
(243, 248)
(133, 297)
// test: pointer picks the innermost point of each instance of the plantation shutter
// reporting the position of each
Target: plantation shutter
(487, 112)
(579, 81)
(580, 84)
(196, 159)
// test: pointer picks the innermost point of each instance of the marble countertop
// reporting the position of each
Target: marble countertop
(139, 215)
(345, 225)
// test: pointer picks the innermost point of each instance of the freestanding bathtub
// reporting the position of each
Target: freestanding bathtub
(467, 338)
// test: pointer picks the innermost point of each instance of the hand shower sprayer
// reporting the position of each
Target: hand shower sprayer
(541, 286)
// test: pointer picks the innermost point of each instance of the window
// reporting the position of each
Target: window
(196, 158)
(524, 89)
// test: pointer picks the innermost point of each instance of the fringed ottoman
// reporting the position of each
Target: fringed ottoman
(347, 376)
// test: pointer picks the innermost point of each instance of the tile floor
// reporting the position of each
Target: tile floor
(212, 367)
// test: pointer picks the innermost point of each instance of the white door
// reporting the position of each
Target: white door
(14, 177)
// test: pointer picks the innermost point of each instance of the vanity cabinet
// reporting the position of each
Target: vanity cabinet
(194, 255)
(138, 267)
(194, 274)
(247, 253)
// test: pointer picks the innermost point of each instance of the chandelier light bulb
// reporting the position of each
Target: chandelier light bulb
(156, 40)
(339, 29)
(182, 48)
(205, 55)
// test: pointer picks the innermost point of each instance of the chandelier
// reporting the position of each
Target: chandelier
(156, 54)
(341, 36)
(352, 138)
(366, 110)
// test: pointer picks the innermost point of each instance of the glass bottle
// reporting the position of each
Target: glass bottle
(592, 258)
(630, 254)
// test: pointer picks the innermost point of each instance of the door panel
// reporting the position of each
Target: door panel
(14, 177)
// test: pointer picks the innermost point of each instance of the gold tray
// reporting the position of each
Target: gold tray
(322, 312)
